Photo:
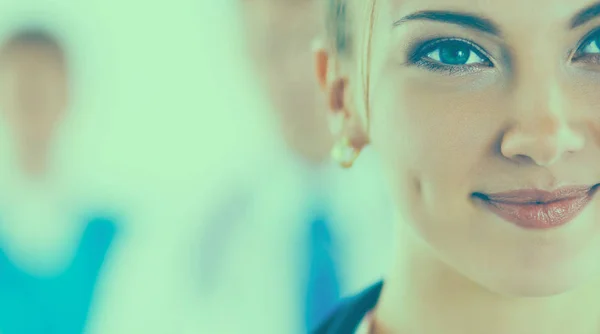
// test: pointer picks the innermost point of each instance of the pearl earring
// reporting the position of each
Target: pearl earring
(344, 153)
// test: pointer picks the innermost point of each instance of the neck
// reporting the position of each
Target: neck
(423, 295)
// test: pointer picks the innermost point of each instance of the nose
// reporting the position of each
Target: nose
(542, 132)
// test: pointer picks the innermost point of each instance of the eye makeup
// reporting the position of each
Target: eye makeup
(457, 56)
(449, 55)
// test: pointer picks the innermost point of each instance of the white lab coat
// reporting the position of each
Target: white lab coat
(265, 269)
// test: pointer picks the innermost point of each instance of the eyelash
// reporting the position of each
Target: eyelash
(421, 56)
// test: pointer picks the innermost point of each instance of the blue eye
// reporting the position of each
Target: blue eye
(455, 53)
(450, 55)
(591, 46)
(589, 51)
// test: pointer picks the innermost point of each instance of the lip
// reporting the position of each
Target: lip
(539, 209)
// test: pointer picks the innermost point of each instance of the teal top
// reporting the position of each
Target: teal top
(57, 304)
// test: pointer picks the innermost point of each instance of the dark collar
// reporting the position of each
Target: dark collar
(351, 311)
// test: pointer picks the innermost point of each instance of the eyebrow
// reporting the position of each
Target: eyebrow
(462, 19)
(585, 15)
(486, 25)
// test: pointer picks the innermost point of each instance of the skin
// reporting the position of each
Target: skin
(279, 35)
(33, 100)
(530, 120)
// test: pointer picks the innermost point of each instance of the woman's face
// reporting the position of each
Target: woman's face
(473, 98)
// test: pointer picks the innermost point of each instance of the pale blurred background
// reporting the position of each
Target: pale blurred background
(185, 182)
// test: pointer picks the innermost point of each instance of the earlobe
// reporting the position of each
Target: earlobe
(336, 93)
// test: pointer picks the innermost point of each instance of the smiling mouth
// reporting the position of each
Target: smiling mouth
(538, 209)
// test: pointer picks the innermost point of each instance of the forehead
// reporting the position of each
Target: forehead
(512, 14)
(31, 54)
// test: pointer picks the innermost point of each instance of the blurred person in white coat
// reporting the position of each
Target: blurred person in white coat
(150, 147)
(295, 211)
(51, 252)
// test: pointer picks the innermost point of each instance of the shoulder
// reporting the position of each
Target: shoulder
(349, 313)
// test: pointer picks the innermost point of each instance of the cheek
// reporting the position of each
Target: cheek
(37, 120)
(435, 141)
(431, 146)
(437, 148)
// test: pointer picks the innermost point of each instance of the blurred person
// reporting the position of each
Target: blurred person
(278, 33)
(488, 132)
(297, 212)
(49, 261)
(147, 283)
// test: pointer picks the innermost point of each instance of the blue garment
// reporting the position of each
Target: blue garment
(323, 290)
(59, 304)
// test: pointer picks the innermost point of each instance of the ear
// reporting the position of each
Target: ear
(345, 121)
